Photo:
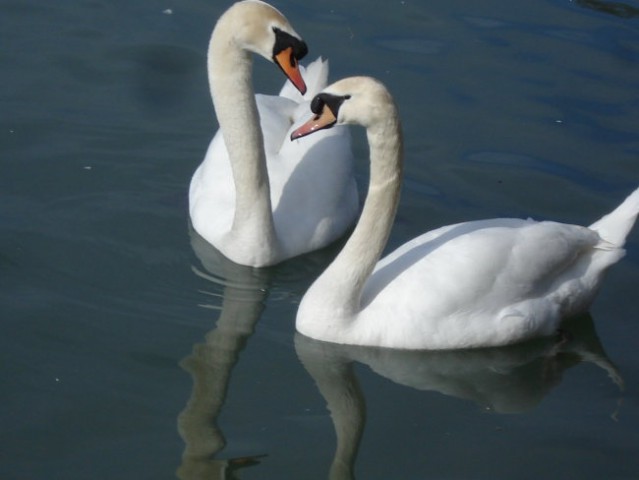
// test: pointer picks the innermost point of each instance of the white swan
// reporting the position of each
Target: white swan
(257, 197)
(475, 284)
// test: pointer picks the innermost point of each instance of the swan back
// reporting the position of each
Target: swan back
(316, 77)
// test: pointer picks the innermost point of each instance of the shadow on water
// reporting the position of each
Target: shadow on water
(618, 9)
(506, 380)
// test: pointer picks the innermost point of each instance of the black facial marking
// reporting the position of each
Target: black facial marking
(285, 40)
(317, 104)
(331, 101)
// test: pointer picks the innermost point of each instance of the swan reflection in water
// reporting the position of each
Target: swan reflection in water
(243, 295)
(244, 291)
(511, 379)
(618, 9)
(505, 380)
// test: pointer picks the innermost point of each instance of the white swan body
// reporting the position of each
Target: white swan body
(257, 197)
(475, 284)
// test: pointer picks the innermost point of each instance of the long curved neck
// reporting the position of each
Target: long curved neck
(348, 273)
(229, 71)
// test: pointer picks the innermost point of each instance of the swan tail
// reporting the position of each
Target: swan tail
(614, 227)
(315, 76)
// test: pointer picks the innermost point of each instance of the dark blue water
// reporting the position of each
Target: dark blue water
(128, 350)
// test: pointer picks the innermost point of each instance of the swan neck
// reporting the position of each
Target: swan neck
(229, 70)
(348, 273)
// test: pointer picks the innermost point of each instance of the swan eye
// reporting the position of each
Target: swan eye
(317, 104)
(333, 102)
(285, 40)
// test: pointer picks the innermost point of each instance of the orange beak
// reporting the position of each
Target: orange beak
(326, 119)
(288, 63)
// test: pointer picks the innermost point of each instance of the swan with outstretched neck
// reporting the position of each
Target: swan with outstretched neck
(475, 284)
(257, 197)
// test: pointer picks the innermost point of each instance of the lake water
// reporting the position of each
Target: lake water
(128, 350)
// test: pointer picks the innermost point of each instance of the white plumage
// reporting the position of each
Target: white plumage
(293, 197)
(475, 284)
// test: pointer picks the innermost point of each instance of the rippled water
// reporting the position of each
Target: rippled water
(129, 350)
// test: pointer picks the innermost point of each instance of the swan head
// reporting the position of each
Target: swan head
(361, 101)
(260, 28)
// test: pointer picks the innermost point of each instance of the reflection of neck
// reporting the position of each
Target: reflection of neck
(210, 365)
(338, 385)
(229, 70)
(348, 412)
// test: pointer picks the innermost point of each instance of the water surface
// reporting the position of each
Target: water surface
(130, 351)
